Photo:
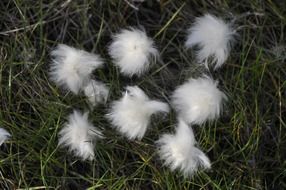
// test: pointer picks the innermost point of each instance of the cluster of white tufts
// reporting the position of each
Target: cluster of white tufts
(196, 101)
(72, 68)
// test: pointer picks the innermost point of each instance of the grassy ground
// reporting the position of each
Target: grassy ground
(246, 145)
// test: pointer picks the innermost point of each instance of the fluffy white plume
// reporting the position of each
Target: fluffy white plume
(79, 135)
(4, 135)
(71, 68)
(96, 92)
(213, 37)
(132, 51)
(198, 100)
(179, 152)
(131, 114)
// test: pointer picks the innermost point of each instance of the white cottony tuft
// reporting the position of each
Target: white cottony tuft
(4, 135)
(179, 152)
(213, 37)
(198, 100)
(96, 92)
(79, 135)
(71, 68)
(132, 51)
(131, 114)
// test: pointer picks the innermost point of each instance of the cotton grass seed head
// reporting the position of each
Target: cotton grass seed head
(4, 135)
(96, 92)
(198, 100)
(132, 51)
(131, 114)
(178, 151)
(71, 68)
(213, 36)
(79, 135)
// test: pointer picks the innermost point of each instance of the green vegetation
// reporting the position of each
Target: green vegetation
(247, 145)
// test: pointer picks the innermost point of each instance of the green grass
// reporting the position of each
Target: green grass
(246, 145)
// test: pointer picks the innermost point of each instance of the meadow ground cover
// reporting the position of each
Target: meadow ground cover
(246, 145)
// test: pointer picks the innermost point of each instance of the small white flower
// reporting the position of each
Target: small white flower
(96, 92)
(4, 135)
(179, 152)
(198, 100)
(131, 114)
(71, 68)
(213, 37)
(132, 51)
(79, 135)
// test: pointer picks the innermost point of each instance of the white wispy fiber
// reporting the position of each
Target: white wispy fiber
(71, 68)
(178, 151)
(132, 113)
(4, 135)
(213, 37)
(132, 51)
(79, 135)
(198, 100)
(96, 92)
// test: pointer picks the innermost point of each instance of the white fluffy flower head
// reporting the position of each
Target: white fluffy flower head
(71, 68)
(198, 100)
(213, 37)
(96, 92)
(79, 135)
(132, 51)
(131, 114)
(179, 152)
(4, 135)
